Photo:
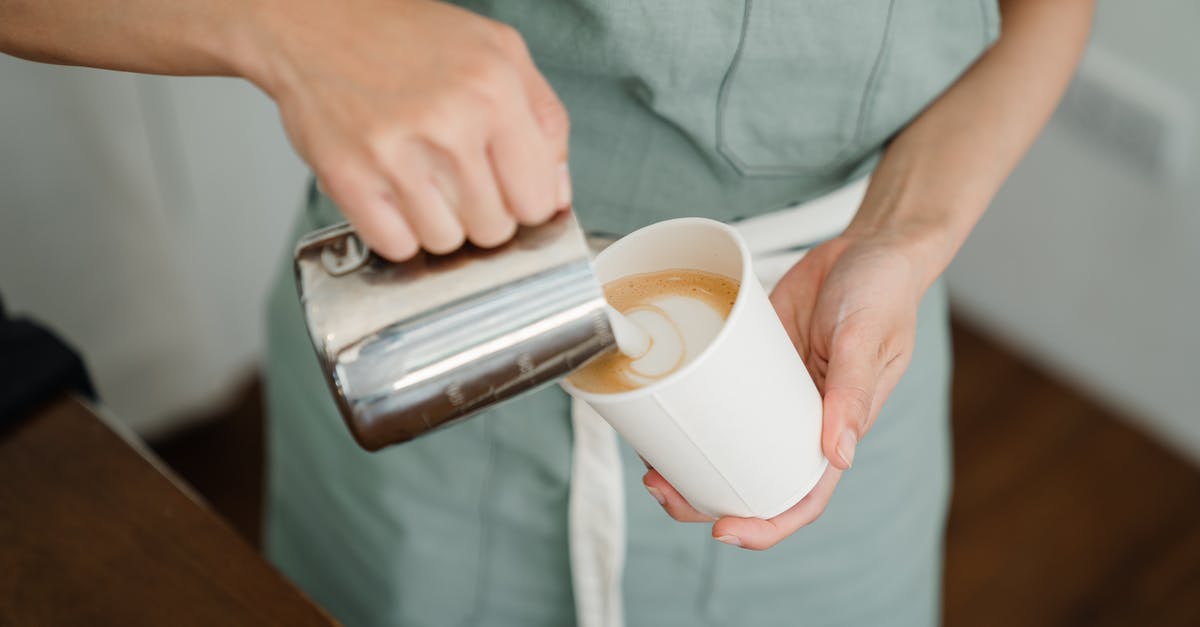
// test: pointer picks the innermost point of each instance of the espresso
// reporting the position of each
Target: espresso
(682, 310)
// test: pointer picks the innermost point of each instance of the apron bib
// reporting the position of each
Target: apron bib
(728, 110)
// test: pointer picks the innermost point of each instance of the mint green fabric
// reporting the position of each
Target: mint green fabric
(728, 109)
(704, 107)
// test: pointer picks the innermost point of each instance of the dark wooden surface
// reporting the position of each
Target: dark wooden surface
(1061, 515)
(91, 533)
(234, 485)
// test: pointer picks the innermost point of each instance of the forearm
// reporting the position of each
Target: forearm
(939, 175)
(152, 36)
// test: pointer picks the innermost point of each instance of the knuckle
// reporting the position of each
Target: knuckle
(454, 125)
(883, 351)
(381, 149)
(383, 146)
(864, 340)
(553, 117)
(334, 174)
(486, 81)
(342, 184)
(507, 38)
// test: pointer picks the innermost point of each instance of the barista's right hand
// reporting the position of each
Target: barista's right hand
(426, 123)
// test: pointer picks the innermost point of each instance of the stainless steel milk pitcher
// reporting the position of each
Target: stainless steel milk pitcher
(414, 346)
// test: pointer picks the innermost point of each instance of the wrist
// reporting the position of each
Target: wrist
(253, 44)
(927, 239)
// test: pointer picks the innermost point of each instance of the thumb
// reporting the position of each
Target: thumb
(856, 364)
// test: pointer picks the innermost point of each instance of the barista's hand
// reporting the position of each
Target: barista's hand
(424, 122)
(850, 308)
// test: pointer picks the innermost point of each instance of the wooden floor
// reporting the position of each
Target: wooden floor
(1062, 514)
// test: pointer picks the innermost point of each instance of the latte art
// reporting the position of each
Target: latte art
(681, 310)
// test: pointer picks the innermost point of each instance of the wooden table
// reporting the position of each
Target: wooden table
(95, 531)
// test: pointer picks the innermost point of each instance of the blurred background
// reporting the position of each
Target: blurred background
(143, 218)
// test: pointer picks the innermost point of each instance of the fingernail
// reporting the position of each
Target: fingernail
(564, 186)
(658, 495)
(845, 447)
(730, 540)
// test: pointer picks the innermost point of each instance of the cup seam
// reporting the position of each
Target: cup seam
(700, 449)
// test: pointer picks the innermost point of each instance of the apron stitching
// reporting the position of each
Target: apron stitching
(475, 617)
(869, 90)
(865, 105)
(723, 90)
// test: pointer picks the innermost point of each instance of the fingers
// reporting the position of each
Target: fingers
(410, 170)
(758, 534)
(369, 202)
(483, 149)
(480, 205)
(795, 295)
(465, 186)
(751, 533)
(671, 501)
(859, 355)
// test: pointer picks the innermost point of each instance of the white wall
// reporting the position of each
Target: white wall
(1089, 261)
(141, 217)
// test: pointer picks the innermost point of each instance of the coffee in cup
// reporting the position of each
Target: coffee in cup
(681, 309)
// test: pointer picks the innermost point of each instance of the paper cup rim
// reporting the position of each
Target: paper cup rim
(660, 384)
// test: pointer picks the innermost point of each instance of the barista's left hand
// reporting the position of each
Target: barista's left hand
(850, 308)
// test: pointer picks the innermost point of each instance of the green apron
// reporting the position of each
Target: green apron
(701, 107)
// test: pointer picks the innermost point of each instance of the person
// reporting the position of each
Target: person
(428, 124)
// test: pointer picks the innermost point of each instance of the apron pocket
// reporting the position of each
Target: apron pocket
(800, 84)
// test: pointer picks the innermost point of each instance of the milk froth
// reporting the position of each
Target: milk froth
(682, 310)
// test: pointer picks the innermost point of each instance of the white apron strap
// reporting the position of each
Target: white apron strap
(596, 506)
(596, 520)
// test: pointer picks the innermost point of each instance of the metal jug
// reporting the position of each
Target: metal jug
(415, 346)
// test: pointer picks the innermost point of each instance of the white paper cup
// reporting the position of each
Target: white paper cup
(738, 429)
